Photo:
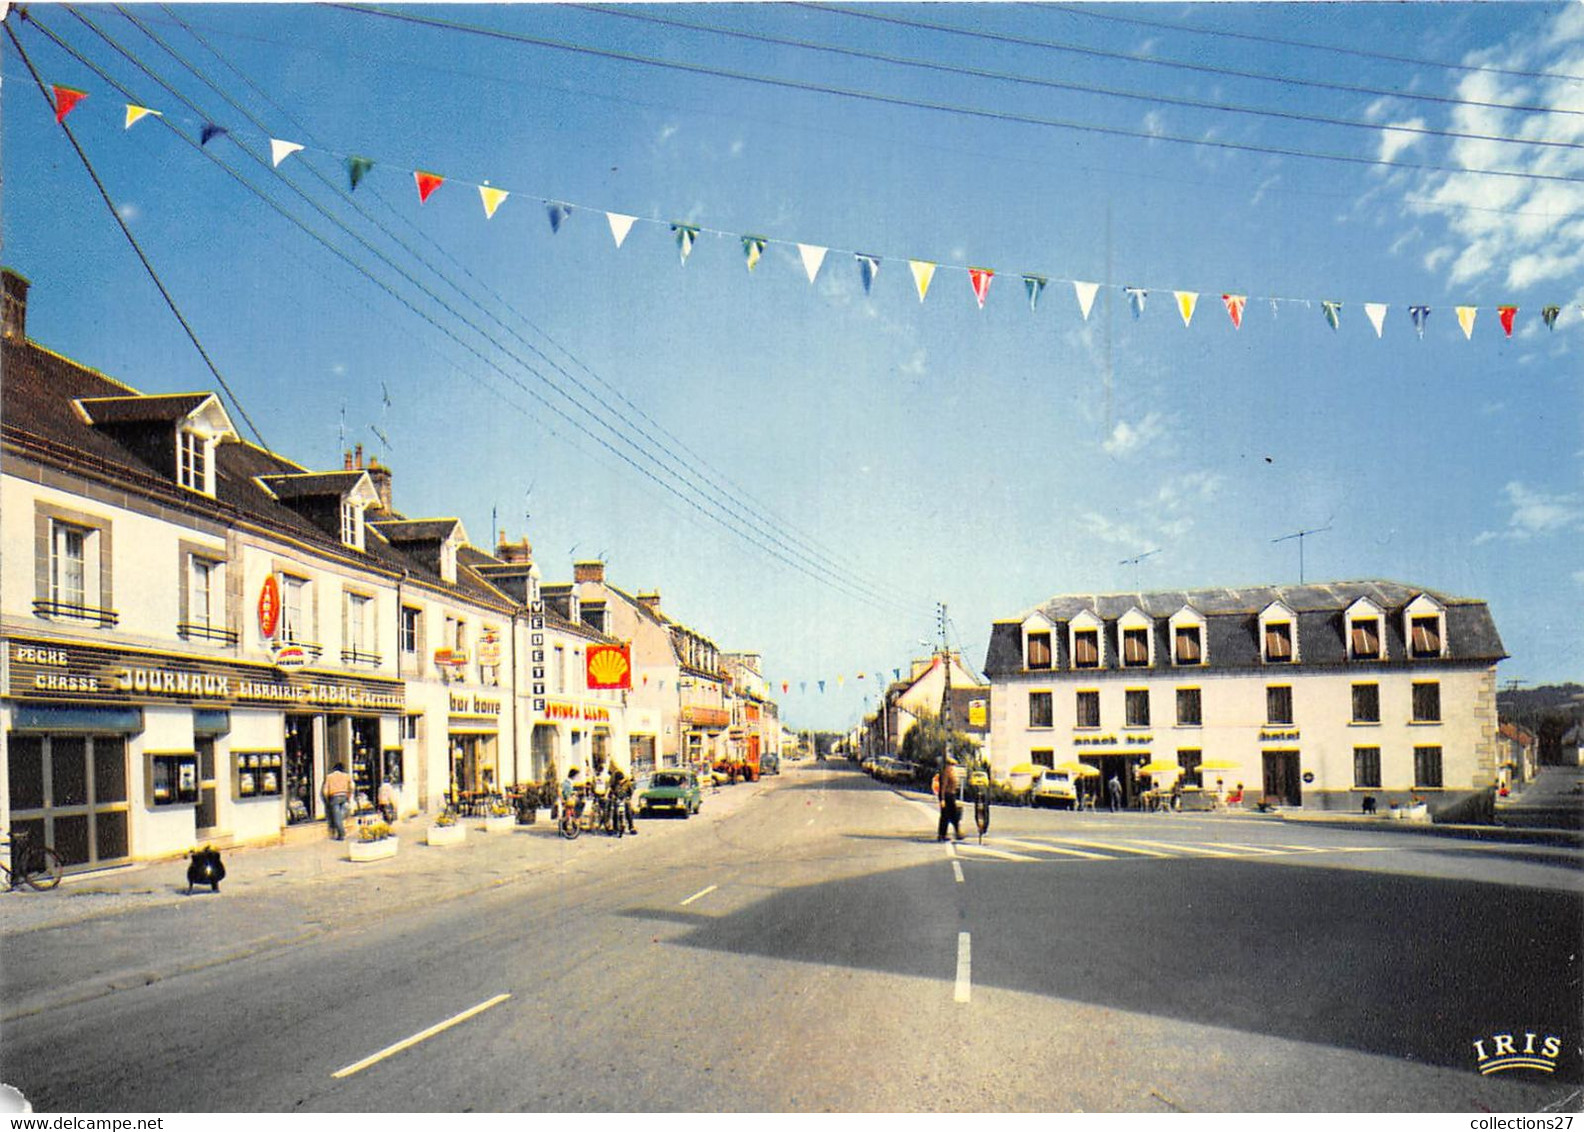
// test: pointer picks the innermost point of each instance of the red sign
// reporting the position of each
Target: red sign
(609, 666)
(269, 607)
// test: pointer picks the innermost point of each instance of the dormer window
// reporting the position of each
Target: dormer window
(1277, 629)
(1086, 648)
(195, 461)
(1133, 627)
(1188, 637)
(1364, 638)
(448, 562)
(1424, 624)
(352, 524)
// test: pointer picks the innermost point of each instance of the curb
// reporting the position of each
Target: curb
(1518, 835)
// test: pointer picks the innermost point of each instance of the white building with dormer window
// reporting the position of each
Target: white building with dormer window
(1313, 695)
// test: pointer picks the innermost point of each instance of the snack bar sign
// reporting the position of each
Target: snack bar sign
(43, 670)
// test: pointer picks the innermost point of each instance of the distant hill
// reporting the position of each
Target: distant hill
(1549, 711)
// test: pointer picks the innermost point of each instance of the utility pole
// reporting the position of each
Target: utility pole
(945, 654)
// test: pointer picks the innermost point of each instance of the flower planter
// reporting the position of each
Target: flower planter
(373, 850)
(446, 834)
(500, 823)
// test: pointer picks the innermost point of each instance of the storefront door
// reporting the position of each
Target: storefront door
(1282, 783)
(204, 813)
(302, 790)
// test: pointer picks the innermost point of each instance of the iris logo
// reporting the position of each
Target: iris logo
(1501, 1052)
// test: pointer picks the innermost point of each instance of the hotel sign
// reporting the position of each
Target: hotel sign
(87, 674)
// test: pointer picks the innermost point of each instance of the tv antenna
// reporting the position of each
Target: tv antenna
(1134, 562)
(1299, 535)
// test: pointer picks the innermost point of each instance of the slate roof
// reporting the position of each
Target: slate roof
(421, 530)
(137, 410)
(1232, 625)
(309, 485)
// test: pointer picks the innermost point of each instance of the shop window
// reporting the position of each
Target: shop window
(173, 779)
(258, 774)
(1278, 705)
(26, 771)
(1087, 709)
(1190, 712)
(1427, 767)
(1366, 703)
(1427, 702)
(1044, 758)
(1366, 767)
(1040, 712)
(1138, 707)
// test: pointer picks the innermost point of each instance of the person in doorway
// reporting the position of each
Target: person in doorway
(1115, 787)
(387, 801)
(336, 790)
(948, 783)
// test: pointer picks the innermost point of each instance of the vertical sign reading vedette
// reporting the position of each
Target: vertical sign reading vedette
(269, 607)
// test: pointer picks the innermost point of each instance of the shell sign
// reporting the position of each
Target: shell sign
(609, 666)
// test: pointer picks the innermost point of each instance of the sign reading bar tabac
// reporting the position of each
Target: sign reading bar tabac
(88, 674)
(609, 666)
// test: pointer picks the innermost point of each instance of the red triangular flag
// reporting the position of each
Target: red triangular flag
(66, 99)
(1506, 314)
(980, 278)
(427, 183)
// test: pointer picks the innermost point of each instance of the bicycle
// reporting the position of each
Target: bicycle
(37, 866)
(981, 812)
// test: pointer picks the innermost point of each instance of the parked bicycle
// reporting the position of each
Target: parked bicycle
(37, 866)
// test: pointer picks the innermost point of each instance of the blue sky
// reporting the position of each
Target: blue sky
(872, 454)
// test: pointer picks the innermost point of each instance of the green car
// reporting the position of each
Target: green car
(670, 791)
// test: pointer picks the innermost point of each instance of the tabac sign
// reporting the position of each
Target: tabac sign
(87, 674)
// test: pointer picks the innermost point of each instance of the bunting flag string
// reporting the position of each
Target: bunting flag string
(1034, 284)
(980, 278)
(427, 184)
(67, 99)
(868, 268)
(753, 248)
(619, 225)
(492, 198)
(1086, 296)
(280, 150)
(135, 114)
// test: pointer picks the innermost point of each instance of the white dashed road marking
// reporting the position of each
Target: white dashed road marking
(701, 893)
(1059, 849)
(407, 1043)
(957, 871)
(964, 968)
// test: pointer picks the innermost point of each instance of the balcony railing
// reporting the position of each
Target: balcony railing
(104, 618)
(353, 656)
(219, 634)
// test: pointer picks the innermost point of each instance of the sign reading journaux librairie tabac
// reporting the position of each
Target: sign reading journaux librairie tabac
(87, 674)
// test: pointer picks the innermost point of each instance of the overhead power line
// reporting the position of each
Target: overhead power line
(949, 108)
(1473, 68)
(1057, 84)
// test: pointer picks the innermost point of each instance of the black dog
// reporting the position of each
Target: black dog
(1369, 803)
(205, 868)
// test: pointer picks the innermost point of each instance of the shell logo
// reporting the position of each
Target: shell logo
(609, 667)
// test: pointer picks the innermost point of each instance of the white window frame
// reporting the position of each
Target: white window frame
(1086, 622)
(1277, 613)
(1424, 606)
(360, 623)
(352, 524)
(1035, 625)
(1190, 618)
(73, 562)
(1133, 621)
(195, 461)
(205, 584)
(1366, 610)
(295, 626)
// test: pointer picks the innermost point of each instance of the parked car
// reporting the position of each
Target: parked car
(769, 763)
(669, 791)
(1055, 788)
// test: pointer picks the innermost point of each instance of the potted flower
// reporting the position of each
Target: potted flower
(374, 842)
(445, 829)
(499, 816)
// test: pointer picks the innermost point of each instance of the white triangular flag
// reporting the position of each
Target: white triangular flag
(281, 150)
(812, 258)
(620, 225)
(1377, 316)
(1086, 296)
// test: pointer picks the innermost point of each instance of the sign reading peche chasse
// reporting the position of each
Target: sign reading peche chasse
(88, 674)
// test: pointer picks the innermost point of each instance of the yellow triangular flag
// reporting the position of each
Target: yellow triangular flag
(1186, 301)
(923, 272)
(492, 199)
(137, 113)
(1466, 320)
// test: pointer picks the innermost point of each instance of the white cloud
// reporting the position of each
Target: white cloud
(667, 132)
(1154, 123)
(1537, 513)
(917, 365)
(128, 211)
(1126, 438)
(737, 148)
(1395, 139)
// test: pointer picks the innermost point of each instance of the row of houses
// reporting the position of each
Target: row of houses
(196, 629)
(1312, 695)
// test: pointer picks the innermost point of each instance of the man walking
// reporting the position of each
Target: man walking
(947, 786)
(1115, 786)
(336, 790)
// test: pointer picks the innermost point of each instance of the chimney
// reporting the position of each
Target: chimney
(347, 461)
(588, 572)
(650, 601)
(381, 475)
(514, 553)
(358, 464)
(15, 317)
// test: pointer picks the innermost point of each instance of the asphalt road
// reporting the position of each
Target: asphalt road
(811, 947)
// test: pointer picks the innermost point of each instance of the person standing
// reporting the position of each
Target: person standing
(387, 801)
(947, 785)
(337, 789)
(621, 793)
(1115, 786)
